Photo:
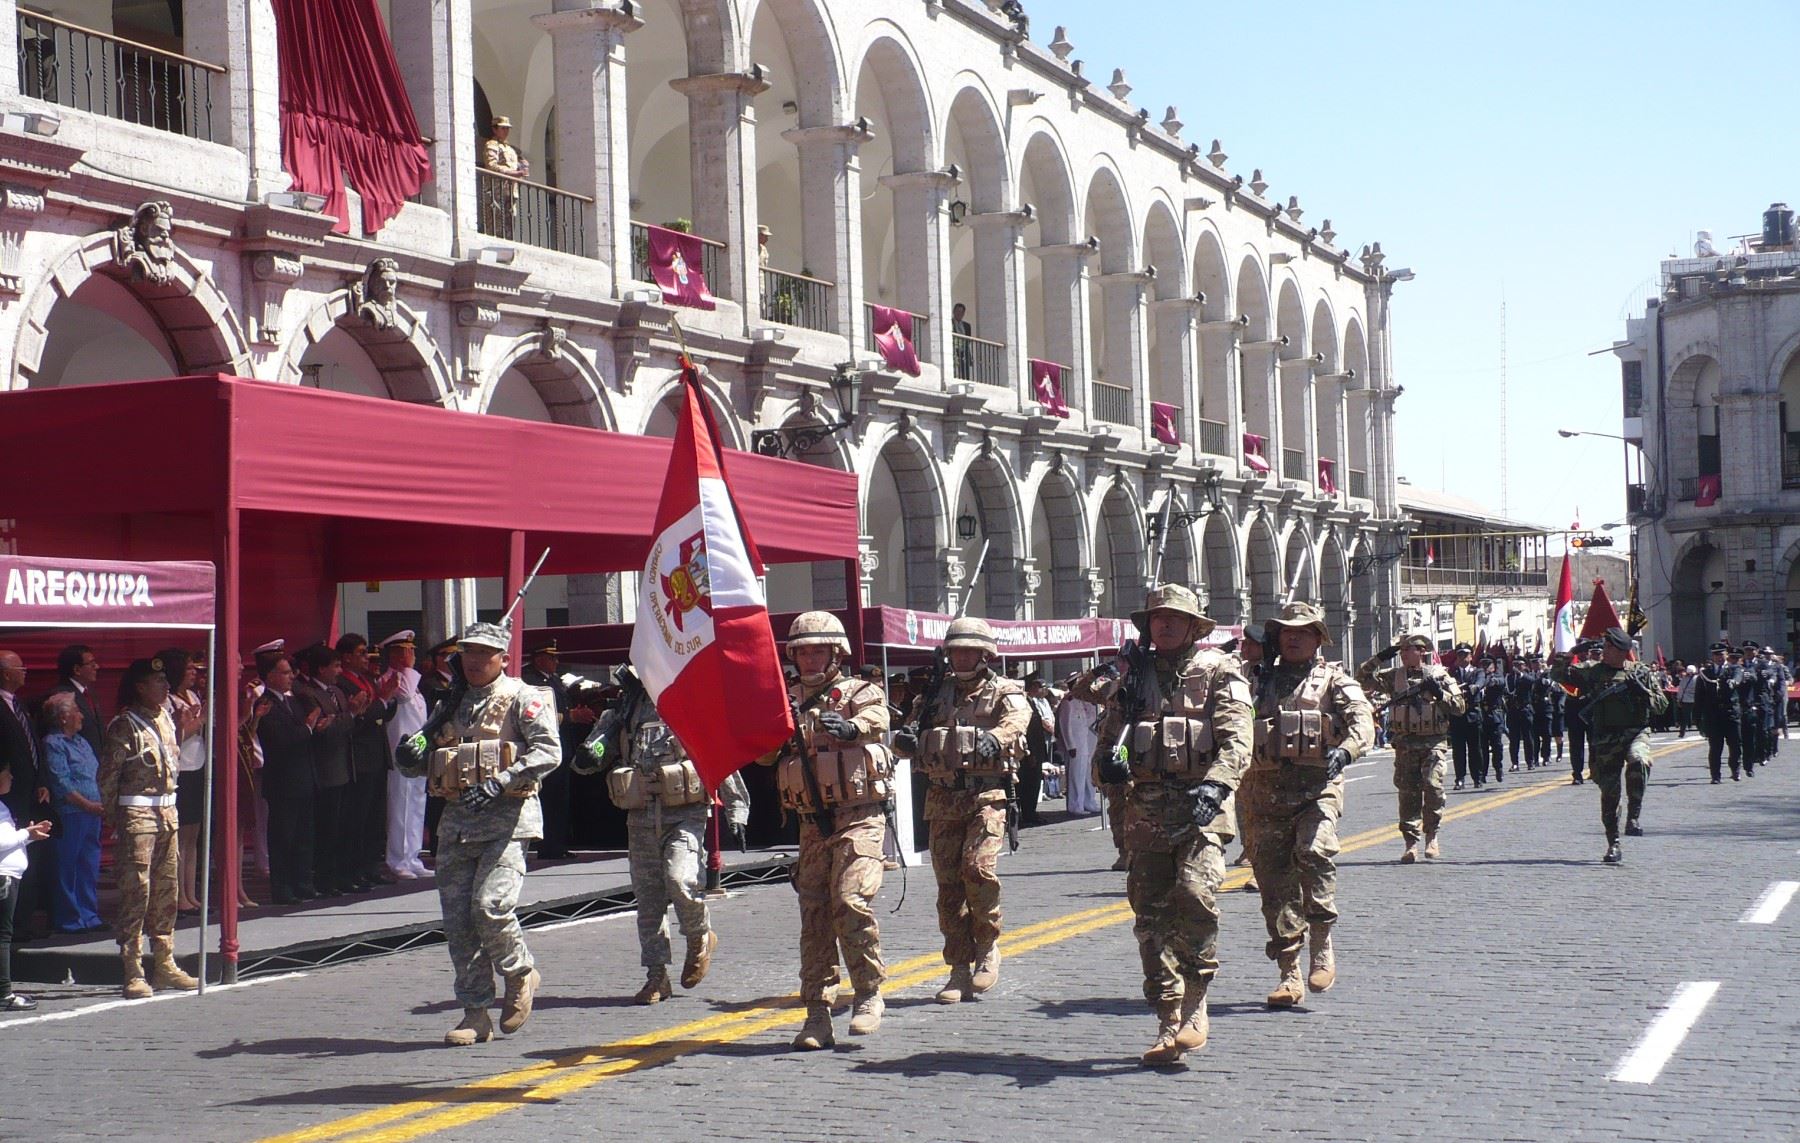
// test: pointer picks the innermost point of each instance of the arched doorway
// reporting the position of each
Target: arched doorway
(1223, 587)
(1334, 595)
(1059, 546)
(1262, 570)
(902, 514)
(1698, 601)
(1119, 551)
(989, 497)
(100, 333)
(1053, 275)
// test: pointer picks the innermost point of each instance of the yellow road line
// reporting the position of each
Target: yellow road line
(552, 1079)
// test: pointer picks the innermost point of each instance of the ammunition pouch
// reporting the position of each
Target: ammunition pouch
(466, 765)
(1418, 718)
(947, 755)
(852, 776)
(1171, 746)
(673, 783)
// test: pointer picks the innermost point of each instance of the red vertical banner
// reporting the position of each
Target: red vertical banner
(1047, 387)
(1707, 490)
(675, 267)
(893, 331)
(1253, 453)
(1328, 476)
(1165, 423)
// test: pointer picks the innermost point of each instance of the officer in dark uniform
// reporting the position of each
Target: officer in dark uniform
(1491, 691)
(1716, 711)
(1575, 720)
(554, 795)
(1521, 688)
(1465, 728)
(1775, 699)
(1752, 698)
(1546, 714)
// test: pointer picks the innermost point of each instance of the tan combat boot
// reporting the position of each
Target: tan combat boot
(987, 969)
(165, 973)
(515, 1009)
(699, 959)
(1290, 991)
(865, 1018)
(1324, 961)
(958, 988)
(136, 987)
(816, 1032)
(1412, 853)
(656, 987)
(1123, 864)
(477, 1027)
(1192, 1034)
(1167, 1049)
(1431, 846)
(1250, 885)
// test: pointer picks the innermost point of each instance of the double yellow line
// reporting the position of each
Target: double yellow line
(542, 1082)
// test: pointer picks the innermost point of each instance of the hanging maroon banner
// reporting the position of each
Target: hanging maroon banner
(894, 338)
(1328, 476)
(1046, 387)
(1165, 423)
(90, 593)
(1707, 490)
(675, 268)
(1253, 453)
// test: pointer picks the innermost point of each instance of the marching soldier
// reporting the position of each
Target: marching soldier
(1546, 714)
(1491, 689)
(1752, 699)
(1465, 731)
(839, 789)
(1253, 653)
(1184, 713)
(1716, 710)
(967, 737)
(1621, 700)
(1312, 721)
(650, 777)
(1423, 702)
(485, 751)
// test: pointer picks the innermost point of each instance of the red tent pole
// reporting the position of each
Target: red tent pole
(853, 607)
(515, 578)
(229, 844)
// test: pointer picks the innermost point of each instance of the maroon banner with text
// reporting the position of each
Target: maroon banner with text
(47, 591)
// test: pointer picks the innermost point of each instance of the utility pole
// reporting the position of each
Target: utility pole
(1505, 507)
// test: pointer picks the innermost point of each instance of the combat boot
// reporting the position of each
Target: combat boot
(987, 969)
(1324, 961)
(1412, 852)
(1122, 864)
(477, 1027)
(958, 988)
(1431, 846)
(515, 1009)
(699, 959)
(816, 1032)
(136, 987)
(1167, 1049)
(865, 1018)
(1632, 828)
(1290, 991)
(1614, 855)
(1192, 1034)
(165, 973)
(656, 987)
(1250, 885)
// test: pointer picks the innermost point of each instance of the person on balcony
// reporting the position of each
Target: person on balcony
(965, 353)
(500, 205)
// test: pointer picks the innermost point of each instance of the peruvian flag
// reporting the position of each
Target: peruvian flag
(1564, 639)
(1430, 553)
(702, 637)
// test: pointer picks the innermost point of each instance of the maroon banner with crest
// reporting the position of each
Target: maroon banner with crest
(1047, 389)
(1253, 453)
(675, 267)
(1328, 476)
(1165, 423)
(893, 331)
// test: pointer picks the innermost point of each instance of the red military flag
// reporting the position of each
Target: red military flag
(893, 331)
(1165, 423)
(1564, 639)
(675, 266)
(702, 638)
(1046, 387)
(1601, 616)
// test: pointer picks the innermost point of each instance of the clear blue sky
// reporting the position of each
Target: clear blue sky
(1546, 153)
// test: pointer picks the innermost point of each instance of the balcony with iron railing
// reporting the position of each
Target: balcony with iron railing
(978, 360)
(1293, 465)
(519, 210)
(712, 252)
(1358, 483)
(88, 70)
(921, 332)
(1213, 438)
(1112, 403)
(1428, 577)
(795, 299)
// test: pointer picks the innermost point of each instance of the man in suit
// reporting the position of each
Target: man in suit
(77, 670)
(284, 729)
(29, 799)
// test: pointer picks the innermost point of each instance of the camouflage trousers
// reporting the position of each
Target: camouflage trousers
(1620, 755)
(1174, 895)
(666, 851)
(965, 856)
(147, 866)
(836, 878)
(1419, 768)
(1293, 844)
(478, 888)
(1117, 794)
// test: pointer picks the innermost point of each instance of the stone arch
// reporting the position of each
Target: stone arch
(1223, 579)
(1693, 411)
(1262, 568)
(1052, 308)
(1334, 592)
(1212, 275)
(1698, 609)
(1252, 296)
(1357, 411)
(810, 40)
(1060, 545)
(1294, 377)
(1297, 567)
(1106, 209)
(974, 122)
(200, 331)
(890, 92)
(1044, 162)
(891, 61)
(1181, 550)
(1328, 391)
(1119, 547)
(1362, 600)
(1163, 249)
(1258, 392)
(987, 489)
(665, 409)
(904, 482)
(571, 387)
(408, 360)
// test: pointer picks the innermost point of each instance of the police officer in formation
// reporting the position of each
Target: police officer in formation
(1546, 713)
(1622, 698)
(1465, 730)
(1717, 710)
(1423, 702)
(1520, 691)
(1754, 714)
(1490, 694)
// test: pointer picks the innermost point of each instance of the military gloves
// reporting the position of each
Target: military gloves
(1388, 652)
(906, 739)
(987, 747)
(1431, 688)
(482, 796)
(1337, 760)
(839, 727)
(1115, 766)
(1209, 799)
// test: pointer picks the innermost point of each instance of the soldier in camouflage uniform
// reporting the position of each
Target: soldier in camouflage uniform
(1185, 714)
(839, 789)
(491, 753)
(1621, 698)
(650, 777)
(139, 762)
(1312, 721)
(1423, 699)
(967, 739)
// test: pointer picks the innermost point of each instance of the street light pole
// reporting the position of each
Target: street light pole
(1649, 509)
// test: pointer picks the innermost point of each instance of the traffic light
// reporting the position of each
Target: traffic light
(1591, 542)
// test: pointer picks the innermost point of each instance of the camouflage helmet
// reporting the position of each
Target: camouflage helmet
(1304, 615)
(970, 631)
(490, 635)
(811, 628)
(1419, 638)
(1181, 600)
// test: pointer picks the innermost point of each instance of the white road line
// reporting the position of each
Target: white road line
(108, 1006)
(581, 921)
(1358, 778)
(1770, 904)
(1645, 1062)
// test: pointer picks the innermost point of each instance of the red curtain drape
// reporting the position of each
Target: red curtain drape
(344, 110)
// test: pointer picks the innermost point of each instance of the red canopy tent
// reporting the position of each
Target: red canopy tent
(291, 491)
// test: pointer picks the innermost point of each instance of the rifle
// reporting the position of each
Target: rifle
(1162, 541)
(827, 821)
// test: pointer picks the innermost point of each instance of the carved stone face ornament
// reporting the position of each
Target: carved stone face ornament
(375, 296)
(144, 246)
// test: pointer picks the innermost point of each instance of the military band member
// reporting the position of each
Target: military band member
(650, 776)
(1312, 721)
(1716, 711)
(1490, 690)
(1465, 731)
(839, 789)
(1423, 703)
(485, 756)
(1184, 714)
(1521, 720)
(1621, 700)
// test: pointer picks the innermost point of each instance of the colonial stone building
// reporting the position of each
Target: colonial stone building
(1711, 382)
(1217, 349)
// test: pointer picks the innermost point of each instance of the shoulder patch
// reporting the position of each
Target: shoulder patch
(1014, 700)
(533, 708)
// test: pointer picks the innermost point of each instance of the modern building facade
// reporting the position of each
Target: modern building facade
(1711, 389)
(1218, 352)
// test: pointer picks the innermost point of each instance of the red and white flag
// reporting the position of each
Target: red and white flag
(702, 644)
(1564, 639)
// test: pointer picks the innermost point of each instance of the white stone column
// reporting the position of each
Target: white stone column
(831, 218)
(1260, 399)
(1384, 486)
(239, 35)
(1220, 382)
(1000, 287)
(1297, 376)
(722, 162)
(1066, 316)
(922, 250)
(1124, 296)
(434, 43)
(593, 145)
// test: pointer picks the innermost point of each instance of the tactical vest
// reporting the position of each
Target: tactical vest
(483, 753)
(1175, 742)
(1301, 730)
(656, 769)
(946, 752)
(848, 773)
(1419, 716)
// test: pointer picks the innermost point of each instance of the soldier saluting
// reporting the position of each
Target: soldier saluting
(1183, 714)
(485, 751)
(1620, 700)
(1423, 702)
